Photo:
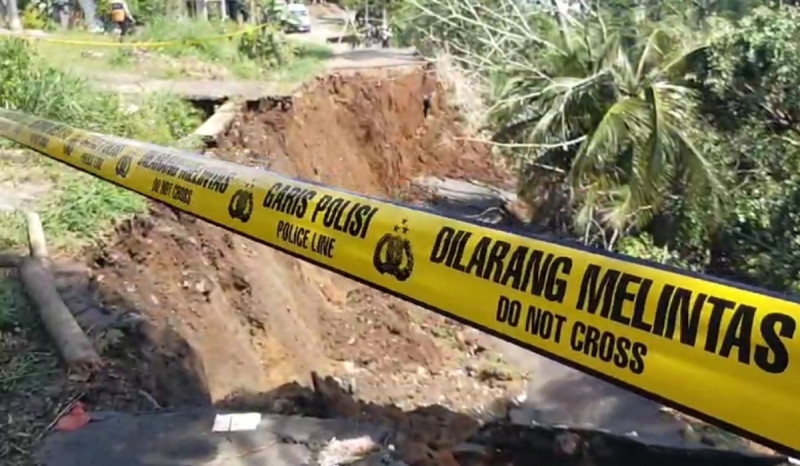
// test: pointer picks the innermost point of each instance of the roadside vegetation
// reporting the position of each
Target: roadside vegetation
(661, 129)
(53, 78)
(75, 208)
(189, 48)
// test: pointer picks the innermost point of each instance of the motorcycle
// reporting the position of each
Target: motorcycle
(377, 35)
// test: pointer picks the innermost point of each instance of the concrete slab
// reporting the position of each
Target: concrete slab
(193, 89)
(559, 395)
(185, 438)
(220, 121)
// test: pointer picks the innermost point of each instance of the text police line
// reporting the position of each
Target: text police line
(664, 310)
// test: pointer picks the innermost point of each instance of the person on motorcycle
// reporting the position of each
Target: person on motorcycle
(121, 16)
(361, 18)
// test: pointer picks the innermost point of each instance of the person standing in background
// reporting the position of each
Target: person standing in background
(61, 9)
(121, 16)
(428, 89)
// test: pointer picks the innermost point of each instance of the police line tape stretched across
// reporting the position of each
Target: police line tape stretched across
(720, 351)
(140, 45)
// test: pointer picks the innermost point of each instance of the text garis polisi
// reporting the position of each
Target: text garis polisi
(332, 212)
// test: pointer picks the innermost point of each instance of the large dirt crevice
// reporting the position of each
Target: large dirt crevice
(223, 316)
(363, 132)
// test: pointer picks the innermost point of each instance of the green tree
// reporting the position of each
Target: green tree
(604, 104)
(640, 125)
(632, 124)
(12, 14)
(749, 79)
(753, 70)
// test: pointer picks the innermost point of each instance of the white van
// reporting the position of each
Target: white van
(299, 18)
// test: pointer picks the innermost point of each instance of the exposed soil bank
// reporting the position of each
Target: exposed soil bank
(366, 132)
(225, 316)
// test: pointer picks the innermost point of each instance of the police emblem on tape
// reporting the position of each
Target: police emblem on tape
(241, 205)
(123, 166)
(69, 146)
(393, 253)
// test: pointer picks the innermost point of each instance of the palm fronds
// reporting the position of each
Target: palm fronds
(606, 103)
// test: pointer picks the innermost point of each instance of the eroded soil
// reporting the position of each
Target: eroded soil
(189, 314)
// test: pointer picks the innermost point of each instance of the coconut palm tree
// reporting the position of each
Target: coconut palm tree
(602, 103)
(12, 14)
(611, 111)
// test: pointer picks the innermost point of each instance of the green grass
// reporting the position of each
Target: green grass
(78, 57)
(190, 35)
(26, 371)
(77, 208)
(188, 58)
(22, 367)
(13, 306)
(308, 61)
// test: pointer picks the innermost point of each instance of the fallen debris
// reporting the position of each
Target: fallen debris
(340, 452)
(219, 122)
(514, 445)
(474, 200)
(39, 284)
(74, 419)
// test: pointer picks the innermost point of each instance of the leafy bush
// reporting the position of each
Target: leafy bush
(34, 17)
(267, 46)
(192, 34)
(753, 68)
(643, 247)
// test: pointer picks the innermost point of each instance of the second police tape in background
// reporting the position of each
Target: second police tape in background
(129, 44)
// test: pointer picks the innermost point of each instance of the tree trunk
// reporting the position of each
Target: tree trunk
(202, 9)
(39, 284)
(13, 15)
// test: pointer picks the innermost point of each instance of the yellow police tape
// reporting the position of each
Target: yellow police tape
(720, 351)
(159, 44)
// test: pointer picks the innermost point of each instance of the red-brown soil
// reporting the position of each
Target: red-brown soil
(364, 132)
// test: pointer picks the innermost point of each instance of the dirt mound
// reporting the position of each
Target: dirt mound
(366, 132)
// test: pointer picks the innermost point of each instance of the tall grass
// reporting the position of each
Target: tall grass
(31, 85)
(201, 40)
(79, 207)
(198, 38)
